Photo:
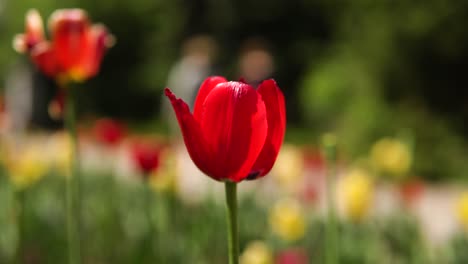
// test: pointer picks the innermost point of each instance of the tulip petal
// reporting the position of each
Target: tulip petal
(146, 156)
(235, 126)
(69, 29)
(44, 58)
(276, 116)
(34, 33)
(97, 42)
(34, 28)
(193, 137)
(19, 43)
(203, 92)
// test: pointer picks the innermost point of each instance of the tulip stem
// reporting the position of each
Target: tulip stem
(20, 223)
(73, 186)
(162, 221)
(331, 239)
(331, 227)
(149, 217)
(233, 237)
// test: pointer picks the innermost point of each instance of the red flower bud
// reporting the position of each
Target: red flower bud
(235, 131)
(109, 131)
(292, 256)
(411, 191)
(146, 156)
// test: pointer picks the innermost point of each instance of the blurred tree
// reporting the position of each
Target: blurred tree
(390, 63)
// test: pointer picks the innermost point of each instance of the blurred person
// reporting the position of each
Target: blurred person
(27, 97)
(18, 98)
(185, 77)
(255, 61)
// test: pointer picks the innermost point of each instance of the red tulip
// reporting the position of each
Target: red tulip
(76, 49)
(235, 131)
(109, 131)
(146, 156)
(292, 256)
(411, 191)
(314, 159)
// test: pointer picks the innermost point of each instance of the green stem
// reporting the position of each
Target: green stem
(329, 144)
(115, 215)
(20, 223)
(233, 238)
(162, 227)
(331, 226)
(149, 216)
(73, 187)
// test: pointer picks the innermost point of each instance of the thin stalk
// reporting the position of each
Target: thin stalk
(73, 187)
(20, 223)
(115, 214)
(232, 225)
(149, 216)
(329, 143)
(331, 226)
(162, 221)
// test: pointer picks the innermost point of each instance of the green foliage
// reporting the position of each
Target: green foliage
(458, 247)
(117, 230)
(361, 69)
(379, 76)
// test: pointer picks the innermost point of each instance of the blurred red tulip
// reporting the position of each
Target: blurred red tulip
(411, 191)
(292, 256)
(109, 131)
(314, 159)
(146, 156)
(235, 131)
(76, 49)
(310, 194)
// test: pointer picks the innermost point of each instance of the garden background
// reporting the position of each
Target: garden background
(364, 71)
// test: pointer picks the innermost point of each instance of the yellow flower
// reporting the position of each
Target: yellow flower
(391, 156)
(356, 190)
(289, 167)
(257, 252)
(163, 178)
(287, 220)
(26, 166)
(462, 209)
